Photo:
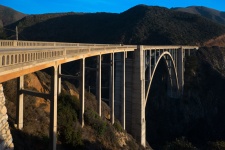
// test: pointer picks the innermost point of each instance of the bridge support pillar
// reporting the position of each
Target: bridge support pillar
(19, 106)
(99, 84)
(60, 80)
(123, 120)
(82, 90)
(120, 87)
(180, 69)
(53, 108)
(128, 92)
(111, 89)
(138, 97)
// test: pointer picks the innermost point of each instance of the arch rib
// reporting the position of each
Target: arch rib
(153, 72)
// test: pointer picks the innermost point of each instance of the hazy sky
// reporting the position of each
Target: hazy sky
(115, 6)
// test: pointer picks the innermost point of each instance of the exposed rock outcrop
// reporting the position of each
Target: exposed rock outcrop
(6, 141)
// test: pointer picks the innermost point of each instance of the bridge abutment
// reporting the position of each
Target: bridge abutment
(6, 141)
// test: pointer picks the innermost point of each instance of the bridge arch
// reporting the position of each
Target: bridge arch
(172, 73)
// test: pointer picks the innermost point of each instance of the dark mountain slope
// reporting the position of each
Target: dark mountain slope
(212, 14)
(162, 26)
(8, 16)
(69, 27)
(138, 25)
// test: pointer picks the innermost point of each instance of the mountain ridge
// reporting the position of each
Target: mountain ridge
(209, 13)
(138, 25)
(9, 15)
(191, 115)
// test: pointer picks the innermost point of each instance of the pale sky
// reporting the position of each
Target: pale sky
(114, 6)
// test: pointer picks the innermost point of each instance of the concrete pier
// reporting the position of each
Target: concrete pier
(111, 89)
(53, 108)
(82, 90)
(19, 106)
(59, 80)
(180, 69)
(123, 119)
(120, 97)
(128, 91)
(99, 84)
(118, 85)
(138, 97)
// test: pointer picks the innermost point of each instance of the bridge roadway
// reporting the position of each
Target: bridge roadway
(18, 58)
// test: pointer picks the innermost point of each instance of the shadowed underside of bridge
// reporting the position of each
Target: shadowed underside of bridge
(132, 70)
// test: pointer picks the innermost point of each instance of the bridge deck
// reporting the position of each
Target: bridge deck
(22, 57)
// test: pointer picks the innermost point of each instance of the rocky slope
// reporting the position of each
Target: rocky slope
(218, 41)
(36, 120)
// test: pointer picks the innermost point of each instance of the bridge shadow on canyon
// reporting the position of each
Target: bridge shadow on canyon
(159, 116)
(197, 116)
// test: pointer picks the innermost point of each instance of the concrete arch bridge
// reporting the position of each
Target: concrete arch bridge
(132, 69)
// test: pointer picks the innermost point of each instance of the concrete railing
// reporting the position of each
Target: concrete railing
(19, 52)
(18, 57)
(14, 52)
(15, 43)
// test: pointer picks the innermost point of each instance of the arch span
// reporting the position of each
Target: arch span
(172, 73)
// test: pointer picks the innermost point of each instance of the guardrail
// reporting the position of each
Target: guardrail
(15, 43)
(18, 52)
(18, 57)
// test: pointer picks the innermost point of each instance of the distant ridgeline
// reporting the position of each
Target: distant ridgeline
(138, 25)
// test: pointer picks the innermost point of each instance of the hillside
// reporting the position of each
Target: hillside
(98, 133)
(219, 41)
(195, 120)
(8, 16)
(212, 14)
(138, 25)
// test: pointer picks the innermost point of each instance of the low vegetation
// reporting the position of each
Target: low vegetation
(69, 130)
(179, 144)
(98, 133)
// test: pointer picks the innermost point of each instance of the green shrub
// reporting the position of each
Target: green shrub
(69, 134)
(118, 126)
(218, 145)
(93, 119)
(90, 116)
(178, 144)
(100, 127)
(69, 101)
